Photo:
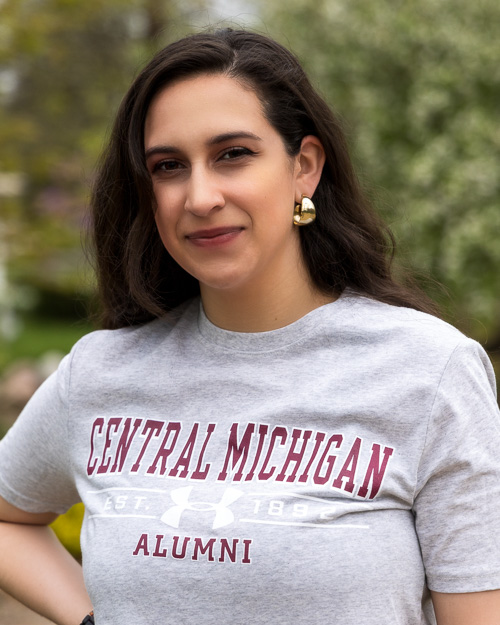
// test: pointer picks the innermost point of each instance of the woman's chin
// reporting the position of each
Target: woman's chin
(227, 283)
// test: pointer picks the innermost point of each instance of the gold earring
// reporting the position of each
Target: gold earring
(305, 212)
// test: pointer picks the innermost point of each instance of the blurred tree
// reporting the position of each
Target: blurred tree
(419, 86)
(64, 66)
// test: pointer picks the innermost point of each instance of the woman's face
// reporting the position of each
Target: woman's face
(224, 184)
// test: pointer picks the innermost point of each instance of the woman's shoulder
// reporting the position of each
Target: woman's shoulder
(407, 341)
(133, 341)
(415, 331)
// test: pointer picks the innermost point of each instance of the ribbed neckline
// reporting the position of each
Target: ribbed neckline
(253, 342)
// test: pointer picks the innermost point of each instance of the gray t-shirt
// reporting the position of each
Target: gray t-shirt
(331, 471)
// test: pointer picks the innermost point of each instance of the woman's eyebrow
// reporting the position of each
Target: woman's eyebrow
(161, 149)
(216, 139)
(228, 136)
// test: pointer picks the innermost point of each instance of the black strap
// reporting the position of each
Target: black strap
(88, 620)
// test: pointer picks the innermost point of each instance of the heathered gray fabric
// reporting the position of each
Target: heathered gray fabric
(328, 472)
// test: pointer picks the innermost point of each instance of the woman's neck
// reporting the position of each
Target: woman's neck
(259, 310)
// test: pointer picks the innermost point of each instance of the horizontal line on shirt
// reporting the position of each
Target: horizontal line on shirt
(123, 516)
(145, 490)
(325, 527)
(285, 493)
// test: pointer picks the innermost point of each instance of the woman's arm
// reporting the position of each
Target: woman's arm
(37, 570)
(471, 608)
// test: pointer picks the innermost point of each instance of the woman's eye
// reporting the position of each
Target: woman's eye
(233, 153)
(166, 165)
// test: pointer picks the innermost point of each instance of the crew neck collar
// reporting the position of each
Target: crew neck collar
(272, 339)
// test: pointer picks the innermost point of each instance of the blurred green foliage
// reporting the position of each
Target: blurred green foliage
(39, 336)
(418, 85)
(64, 67)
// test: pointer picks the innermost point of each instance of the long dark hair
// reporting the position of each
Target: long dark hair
(347, 246)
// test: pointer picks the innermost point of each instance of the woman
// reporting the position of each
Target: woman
(274, 430)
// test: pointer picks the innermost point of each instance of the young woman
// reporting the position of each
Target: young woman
(270, 429)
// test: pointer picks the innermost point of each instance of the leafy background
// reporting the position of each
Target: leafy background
(417, 84)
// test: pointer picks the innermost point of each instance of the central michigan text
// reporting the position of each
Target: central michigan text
(250, 452)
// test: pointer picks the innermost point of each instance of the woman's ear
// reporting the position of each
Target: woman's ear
(310, 160)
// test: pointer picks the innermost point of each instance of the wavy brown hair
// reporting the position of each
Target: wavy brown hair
(347, 246)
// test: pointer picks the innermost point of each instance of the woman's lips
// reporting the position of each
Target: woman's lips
(212, 237)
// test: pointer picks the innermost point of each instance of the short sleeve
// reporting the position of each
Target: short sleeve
(35, 466)
(457, 503)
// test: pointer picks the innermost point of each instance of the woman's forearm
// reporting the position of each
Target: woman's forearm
(38, 571)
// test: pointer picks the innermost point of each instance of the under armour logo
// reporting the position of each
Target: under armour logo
(180, 496)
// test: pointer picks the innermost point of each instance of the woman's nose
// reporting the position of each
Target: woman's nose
(203, 193)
